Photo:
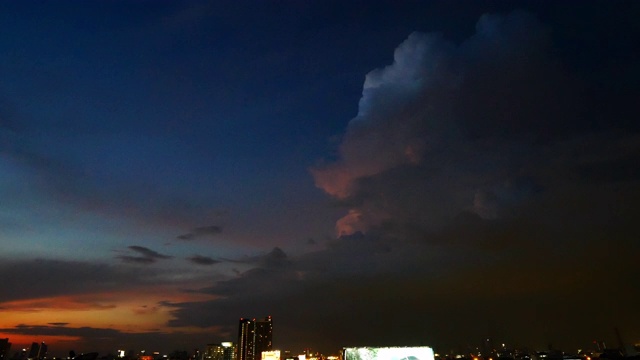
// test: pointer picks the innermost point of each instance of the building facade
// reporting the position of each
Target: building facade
(213, 352)
(263, 337)
(246, 332)
(222, 351)
(229, 352)
(254, 337)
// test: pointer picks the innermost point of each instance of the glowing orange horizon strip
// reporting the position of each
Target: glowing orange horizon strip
(123, 310)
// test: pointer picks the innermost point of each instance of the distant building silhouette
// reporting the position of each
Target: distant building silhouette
(37, 351)
(5, 346)
(87, 356)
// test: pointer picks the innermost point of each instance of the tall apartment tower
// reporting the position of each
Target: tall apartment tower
(246, 332)
(263, 337)
(37, 351)
(5, 346)
(254, 337)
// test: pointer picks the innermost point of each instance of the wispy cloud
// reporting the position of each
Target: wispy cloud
(201, 232)
(148, 256)
(276, 257)
(202, 260)
(46, 278)
(148, 252)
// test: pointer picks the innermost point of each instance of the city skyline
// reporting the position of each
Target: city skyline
(368, 173)
(226, 350)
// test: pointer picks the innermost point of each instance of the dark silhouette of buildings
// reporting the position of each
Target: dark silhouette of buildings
(86, 356)
(5, 346)
(38, 351)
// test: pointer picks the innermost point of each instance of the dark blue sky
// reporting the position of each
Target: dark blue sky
(168, 167)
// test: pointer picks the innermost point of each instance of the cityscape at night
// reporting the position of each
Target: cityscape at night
(255, 342)
(319, 179)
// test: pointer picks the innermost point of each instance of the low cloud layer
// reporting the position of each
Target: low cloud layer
(46, 278)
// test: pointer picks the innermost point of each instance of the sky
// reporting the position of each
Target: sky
(368, 173)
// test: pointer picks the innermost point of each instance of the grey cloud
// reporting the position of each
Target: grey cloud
(200, 232)
(137, 259)
(32, 279)
(449, 128)
(62, 181)
(148, 252)
(167, 303)
(275, 258)
(203, 260)
(148, 256)
(27, 329)
(495, 202)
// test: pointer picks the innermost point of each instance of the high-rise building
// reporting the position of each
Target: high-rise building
(37, 351)
(5, 346)
(246, 331)
(263, 336)
(43, 351)
(33, 353)
(254, 337)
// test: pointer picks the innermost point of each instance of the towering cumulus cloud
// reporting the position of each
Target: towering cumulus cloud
(449, 127)
(478, 199)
